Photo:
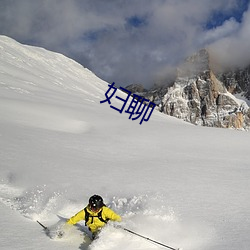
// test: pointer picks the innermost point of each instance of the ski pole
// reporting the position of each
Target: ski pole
(146, 238)
(45, 228)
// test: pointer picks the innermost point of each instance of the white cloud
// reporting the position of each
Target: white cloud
(98, 34)
(228, 28)
(233, 50)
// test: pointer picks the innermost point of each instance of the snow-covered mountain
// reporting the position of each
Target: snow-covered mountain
(237, 81)
(203, 96)
(182, 185)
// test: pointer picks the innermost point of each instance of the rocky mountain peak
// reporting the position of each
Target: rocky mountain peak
(136, 88)
(237, 81)
(194, 65)
(202, 97)
(199, 97)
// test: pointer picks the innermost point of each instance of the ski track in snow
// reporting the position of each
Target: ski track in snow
(145, 214)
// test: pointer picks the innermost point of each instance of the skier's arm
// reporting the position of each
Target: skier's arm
(110, 214)
(77, 217)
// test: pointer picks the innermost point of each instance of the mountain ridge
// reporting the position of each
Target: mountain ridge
(202, 96)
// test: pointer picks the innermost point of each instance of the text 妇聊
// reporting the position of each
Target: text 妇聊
(138, 106)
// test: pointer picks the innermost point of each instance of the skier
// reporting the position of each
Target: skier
(95, 214)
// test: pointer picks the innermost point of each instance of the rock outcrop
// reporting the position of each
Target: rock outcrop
(237, 81)
(201, 97)
(197, 96)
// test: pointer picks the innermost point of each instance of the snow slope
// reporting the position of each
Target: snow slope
(176, 183)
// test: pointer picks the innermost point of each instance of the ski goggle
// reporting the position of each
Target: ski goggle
(94, 208)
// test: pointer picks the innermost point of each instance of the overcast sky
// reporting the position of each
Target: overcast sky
(131, 41)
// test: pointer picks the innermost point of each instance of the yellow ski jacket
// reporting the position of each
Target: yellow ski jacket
(94, 223)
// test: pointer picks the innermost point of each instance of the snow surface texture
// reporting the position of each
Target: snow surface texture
(179, 184)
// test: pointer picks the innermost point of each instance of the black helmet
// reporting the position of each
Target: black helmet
(95, 202)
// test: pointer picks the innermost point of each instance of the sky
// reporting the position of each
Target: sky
(132, 41)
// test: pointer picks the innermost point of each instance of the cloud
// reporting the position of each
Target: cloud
(228, 28)
(232, 50)
(124, 41)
